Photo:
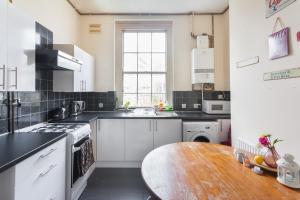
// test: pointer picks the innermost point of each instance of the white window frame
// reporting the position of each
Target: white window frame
(142, 26)
(151, 73)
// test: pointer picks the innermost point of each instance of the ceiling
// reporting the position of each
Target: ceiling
(149, 6)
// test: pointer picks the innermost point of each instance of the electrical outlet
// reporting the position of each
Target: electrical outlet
(183, 106)
(220, 96)
(196, 106)
(100, 105)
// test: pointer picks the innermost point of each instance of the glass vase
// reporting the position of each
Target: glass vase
(271, 157)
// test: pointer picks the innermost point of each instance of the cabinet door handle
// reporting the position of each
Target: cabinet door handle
(150, 125)
(42, 174)
(99, 126)
(221, 125)
(84, 85)
(16, 78)
(3, 77)
(156, 125)
(48, 153)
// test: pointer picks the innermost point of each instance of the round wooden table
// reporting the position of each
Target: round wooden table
(192, 171)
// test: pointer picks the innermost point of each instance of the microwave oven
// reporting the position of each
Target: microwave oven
(216, 107)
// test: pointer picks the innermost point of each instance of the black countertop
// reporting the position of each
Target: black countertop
(85, 117)
(88, 117)
(16, 147)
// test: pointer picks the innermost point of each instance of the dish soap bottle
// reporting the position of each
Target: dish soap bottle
(161, 105)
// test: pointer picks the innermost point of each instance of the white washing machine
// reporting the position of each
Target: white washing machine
(201, 132)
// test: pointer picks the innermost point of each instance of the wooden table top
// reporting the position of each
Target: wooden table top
(192, 171)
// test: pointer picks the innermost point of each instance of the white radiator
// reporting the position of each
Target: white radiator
(247, 146)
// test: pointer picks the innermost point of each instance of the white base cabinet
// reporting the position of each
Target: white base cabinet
(139, 138)
(39, 177)
(110, 140)
(224, 125)
(93, 126)
(167, 131)
(126, 142)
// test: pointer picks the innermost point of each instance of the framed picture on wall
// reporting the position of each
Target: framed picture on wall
(274, 6)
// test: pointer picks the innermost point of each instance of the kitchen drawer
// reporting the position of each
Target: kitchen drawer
(49, 183)
(42, 176)
(40, 160)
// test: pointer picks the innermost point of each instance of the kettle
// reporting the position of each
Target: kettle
(77, 107)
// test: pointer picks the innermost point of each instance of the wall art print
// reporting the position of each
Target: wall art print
(279, 44)
(274, 6)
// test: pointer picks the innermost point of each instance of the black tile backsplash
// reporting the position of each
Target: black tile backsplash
(195, 97)
(37, 106)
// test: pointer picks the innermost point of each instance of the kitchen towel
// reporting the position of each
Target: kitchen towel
(83, 159)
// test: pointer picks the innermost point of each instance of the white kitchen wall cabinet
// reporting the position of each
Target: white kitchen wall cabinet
(139, 138)
(3, 27)
(110, 140)
(167, 131)
(75, 81)
(17, 49)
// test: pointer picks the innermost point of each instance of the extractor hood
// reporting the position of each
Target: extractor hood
(51, 59)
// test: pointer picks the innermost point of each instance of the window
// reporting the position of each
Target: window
(144, 67)
(143, 62)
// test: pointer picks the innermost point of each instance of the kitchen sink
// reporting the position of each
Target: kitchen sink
(166, 114)
(142, 112)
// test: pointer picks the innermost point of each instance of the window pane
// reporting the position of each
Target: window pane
(144, 62)
(144, 100)
(130, 42)
(156, 98)
(144, 83)
(158, 83)
(130, 83)
(130, 62)
(159, 62)
(144, 42)
(158, 42)
(132, 98)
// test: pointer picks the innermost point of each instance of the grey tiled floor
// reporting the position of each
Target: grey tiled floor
(115, 184)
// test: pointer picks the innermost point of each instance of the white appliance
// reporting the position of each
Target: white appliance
(203, 65)
(76, 134)
(216, 107)
(201, 132)
(202, 41)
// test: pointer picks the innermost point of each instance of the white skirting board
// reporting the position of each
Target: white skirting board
(120, 164)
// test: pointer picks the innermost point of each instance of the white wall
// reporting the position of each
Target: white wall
(71, 28)
(57, 15)
(102, 47)
(257, 106)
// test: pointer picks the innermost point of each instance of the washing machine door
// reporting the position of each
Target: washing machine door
(201, 138)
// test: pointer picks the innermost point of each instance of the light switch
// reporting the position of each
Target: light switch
(101, 105)
(298, 36)
(183, 106)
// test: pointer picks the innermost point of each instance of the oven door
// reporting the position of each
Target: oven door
(82, 159)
